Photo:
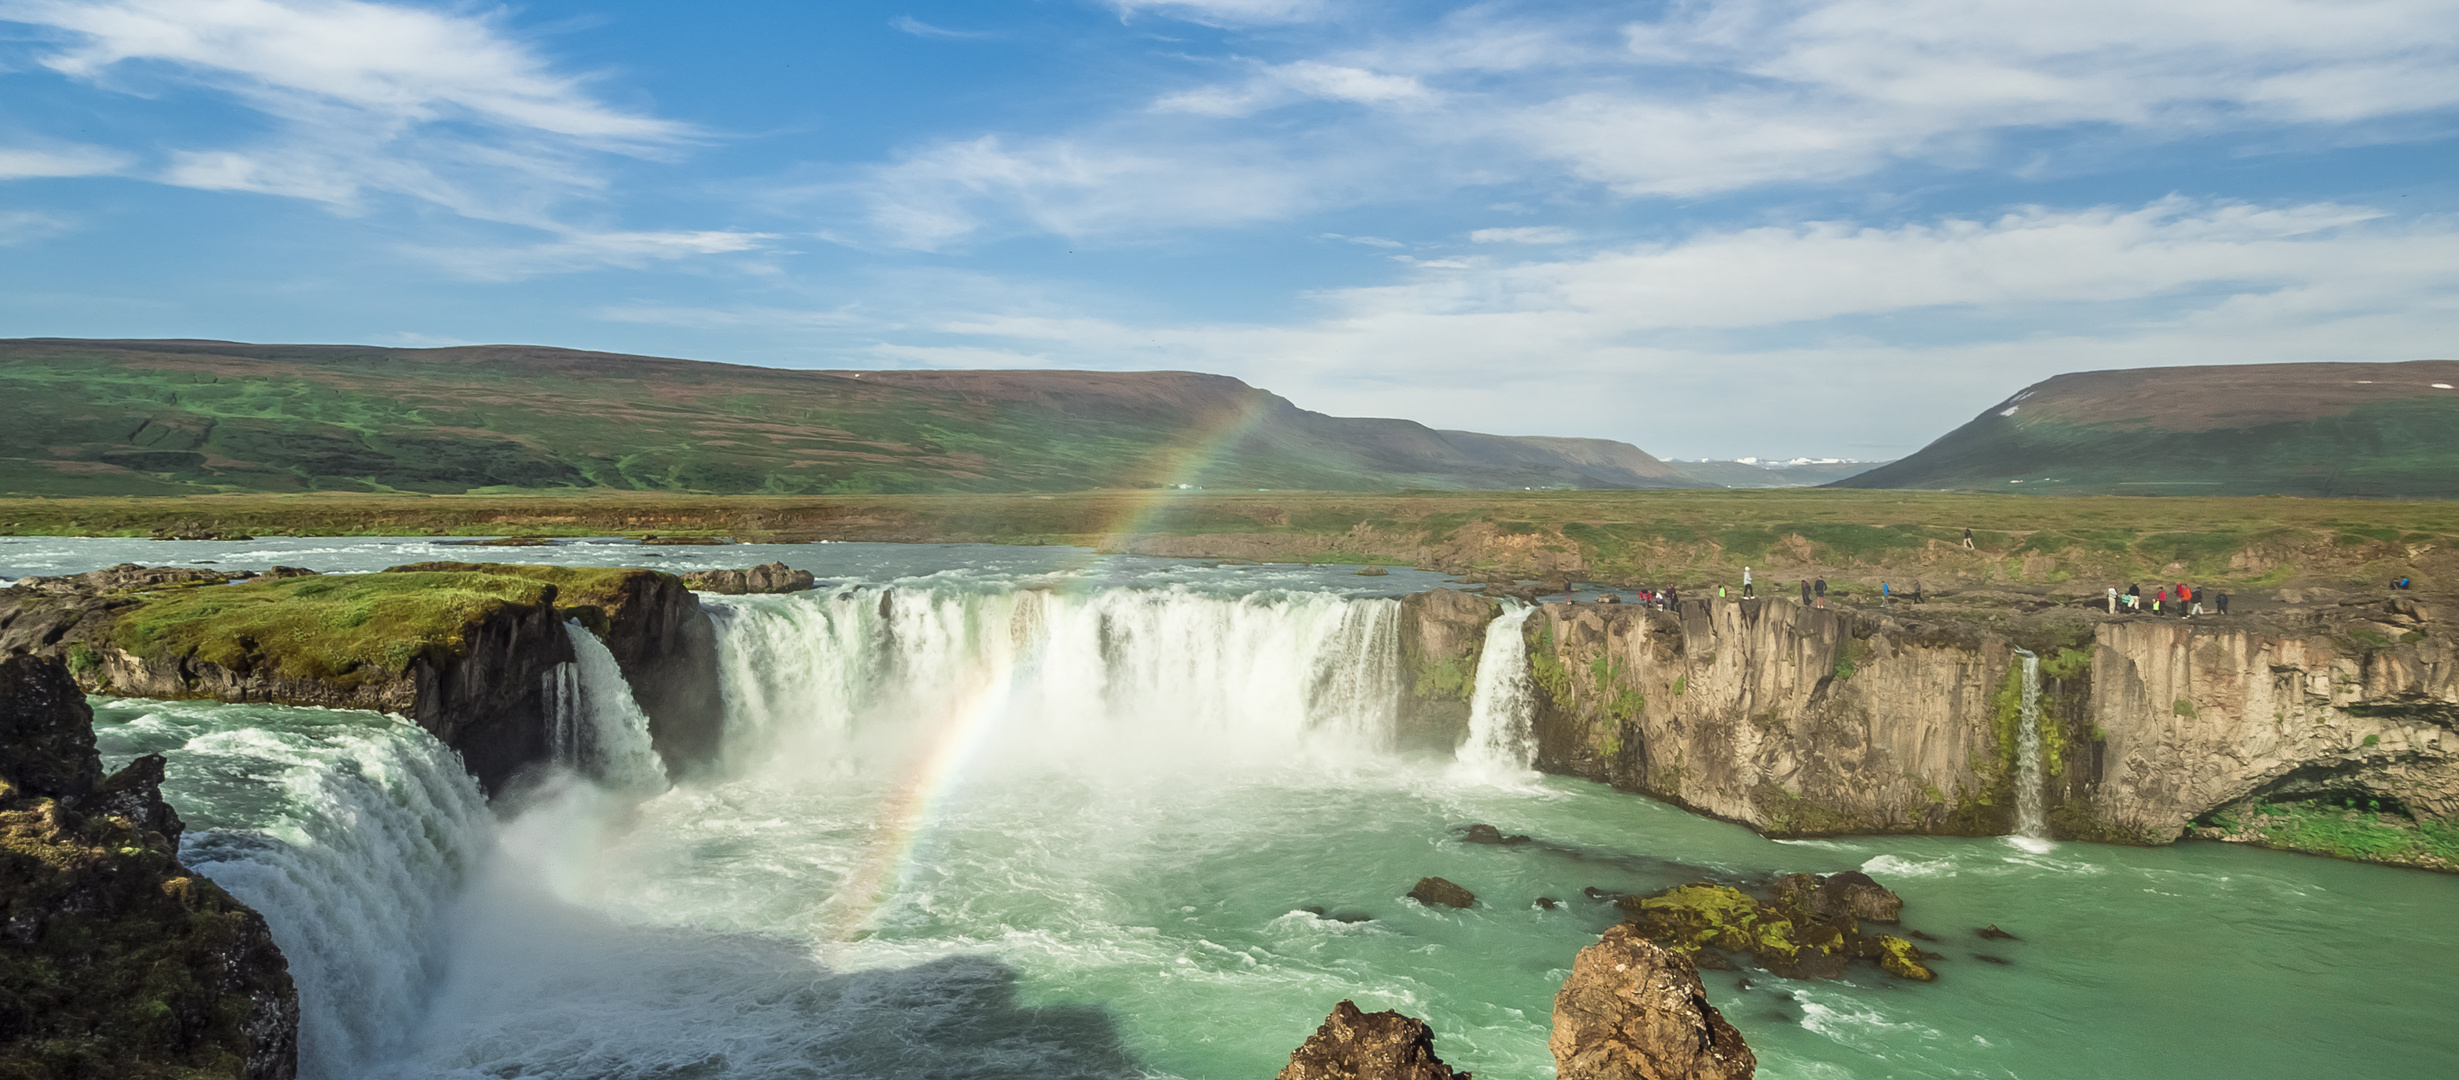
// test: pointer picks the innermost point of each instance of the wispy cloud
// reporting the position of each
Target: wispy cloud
(581, 250)
(910, 25)
(1524, 234)
(1230, 12)
(27, 226)
(442, 106)
(17, 163)
(1303, 80)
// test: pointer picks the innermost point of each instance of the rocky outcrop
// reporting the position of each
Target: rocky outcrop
(1436, 892)
(115, 959)
(1788, 936)
(473, 671)
(1357, 1045)
(1635, 1010)
(1442, 637)
(1806, 721)
(775, 577)
(1851, 894)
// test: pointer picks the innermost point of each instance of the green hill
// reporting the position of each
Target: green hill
(172, 417)
(2315, 430)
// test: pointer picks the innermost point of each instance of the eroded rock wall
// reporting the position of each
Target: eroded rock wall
(1797, 720)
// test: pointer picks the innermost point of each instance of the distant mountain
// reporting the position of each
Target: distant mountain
(163, 417)
(2320, 430)
(1775, 474)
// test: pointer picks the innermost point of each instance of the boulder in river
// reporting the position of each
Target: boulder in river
(1849, 893)
(1482, 833)
(1434, 891)
(1635, 1010)
(1785, 936)
(1356, 1045)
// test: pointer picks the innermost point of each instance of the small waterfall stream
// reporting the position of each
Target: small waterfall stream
(2028, 780)
(597, 729)
(1503, 703)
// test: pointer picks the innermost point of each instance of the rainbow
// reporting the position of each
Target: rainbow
(918, 800)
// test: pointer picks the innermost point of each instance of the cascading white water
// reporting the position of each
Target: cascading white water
(1502, 706)
(352, 834)
(596, 728)
(822, 681)
(2028, 818)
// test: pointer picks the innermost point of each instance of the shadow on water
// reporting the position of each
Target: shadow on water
(571, 996)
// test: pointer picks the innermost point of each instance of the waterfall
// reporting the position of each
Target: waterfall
(847, 679)
(596, 728)
(2028, 780)
(353, 838)
(1503, 703)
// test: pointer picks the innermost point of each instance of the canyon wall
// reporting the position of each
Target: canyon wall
(2311, 730)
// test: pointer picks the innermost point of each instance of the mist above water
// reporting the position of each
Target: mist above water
(987, 825)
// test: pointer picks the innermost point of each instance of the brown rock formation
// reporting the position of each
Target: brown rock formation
(1355, 1045)
(1436, 892)
(1633, 1010)
(1804, 721)
(116, 960)
(775, 577)
(1851, 894)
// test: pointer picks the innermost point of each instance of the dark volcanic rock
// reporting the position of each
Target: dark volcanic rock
(1850, 893)
(116, 960)
(775, 577)
(1433, 891)
(1994, 934)
(1356, 1045)
(1634, 1010)
(46, 730)
(1482, 833)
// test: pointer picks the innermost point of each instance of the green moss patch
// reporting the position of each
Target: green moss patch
(339, 628)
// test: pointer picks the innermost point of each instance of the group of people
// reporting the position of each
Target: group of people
(2185, 601)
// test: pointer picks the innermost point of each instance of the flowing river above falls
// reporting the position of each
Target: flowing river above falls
(1046, 814)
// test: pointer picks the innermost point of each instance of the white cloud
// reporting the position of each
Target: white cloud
(441, 106)
(910, 25)
(1734, 93)
(1865, 339)
(953, 191)
(1281, 84)
(1525, 234)
(26, 226)
(1229, 12)
(17, 163)
(580, 250)
(1369, 241)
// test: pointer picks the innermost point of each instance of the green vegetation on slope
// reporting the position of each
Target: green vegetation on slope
(2385, 431)
(153, 418)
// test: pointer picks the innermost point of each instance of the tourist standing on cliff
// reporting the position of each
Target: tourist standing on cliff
(1746, 594)
(1805, 592)
(1968, 538)
(2112, 599)
(1673, 599)
(2223, 601)
(2161, 598)
(1821, 587)
(2134, 597)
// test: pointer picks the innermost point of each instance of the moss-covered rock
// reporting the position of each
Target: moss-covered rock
(116, 960)
(1785, 936)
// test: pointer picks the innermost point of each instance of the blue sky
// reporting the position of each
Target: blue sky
(1710, 228)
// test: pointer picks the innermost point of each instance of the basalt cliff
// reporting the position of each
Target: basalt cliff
(2331, 728)
(464, 649)
(115, 959)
